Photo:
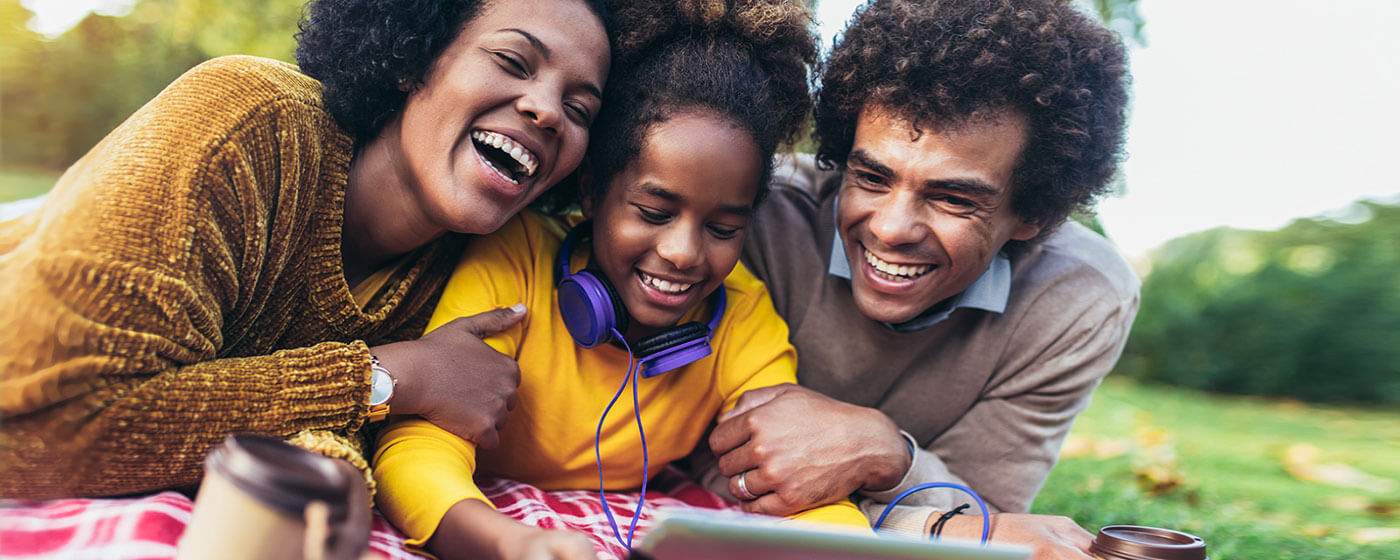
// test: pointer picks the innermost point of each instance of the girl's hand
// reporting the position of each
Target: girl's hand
(453, 379)
(544, 544)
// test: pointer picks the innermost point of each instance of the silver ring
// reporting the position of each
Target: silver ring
(744, 493)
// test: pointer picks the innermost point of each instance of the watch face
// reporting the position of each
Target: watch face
(381, 387)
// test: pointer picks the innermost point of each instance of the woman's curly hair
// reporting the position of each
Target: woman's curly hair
(942, 63)
(745, 60)
(369, 54)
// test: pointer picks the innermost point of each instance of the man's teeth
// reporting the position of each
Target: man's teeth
(510, 147)
(663, 285)
(901, 271)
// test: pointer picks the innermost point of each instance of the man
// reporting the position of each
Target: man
(950, 321)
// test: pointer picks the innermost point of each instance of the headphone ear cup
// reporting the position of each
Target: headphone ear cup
(673, 348)
(590, 308)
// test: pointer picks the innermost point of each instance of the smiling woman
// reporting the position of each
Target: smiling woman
(258, 247)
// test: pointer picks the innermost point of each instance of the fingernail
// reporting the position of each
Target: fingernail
(517, 308)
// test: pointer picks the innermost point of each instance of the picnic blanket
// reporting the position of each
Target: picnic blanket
(148, 527)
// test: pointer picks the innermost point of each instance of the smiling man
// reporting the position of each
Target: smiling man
(950, 322)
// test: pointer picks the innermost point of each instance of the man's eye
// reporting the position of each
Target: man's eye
(956, 202)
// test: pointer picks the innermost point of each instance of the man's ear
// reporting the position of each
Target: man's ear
(586, 187)
(1026, 229)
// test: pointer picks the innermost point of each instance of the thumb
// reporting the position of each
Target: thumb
(754, 399)
(491, 322)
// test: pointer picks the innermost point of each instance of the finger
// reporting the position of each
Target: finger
(737, 460)
(732, 433)
(486, 439)
(752, 482)
(753, 399)
(491, 322)
(769, 504)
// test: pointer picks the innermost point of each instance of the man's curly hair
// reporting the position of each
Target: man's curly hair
(745, 60)
(369, 54)
(942, 63)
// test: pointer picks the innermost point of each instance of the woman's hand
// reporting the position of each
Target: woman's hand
(453, 379)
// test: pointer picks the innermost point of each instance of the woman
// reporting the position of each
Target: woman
(249, 251)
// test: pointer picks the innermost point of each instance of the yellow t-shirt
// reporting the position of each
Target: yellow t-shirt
(423, 470)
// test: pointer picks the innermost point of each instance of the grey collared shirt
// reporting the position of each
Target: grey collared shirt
(989, 292)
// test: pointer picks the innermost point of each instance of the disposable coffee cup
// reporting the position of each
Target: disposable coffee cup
(266, 499)
(1133, 542)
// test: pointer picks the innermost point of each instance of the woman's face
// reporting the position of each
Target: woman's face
(671, 225)
(501, 115)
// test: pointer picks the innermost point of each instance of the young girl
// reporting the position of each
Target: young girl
(700, 97)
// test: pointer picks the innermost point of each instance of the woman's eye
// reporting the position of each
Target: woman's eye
(580, 113)
(516, 65)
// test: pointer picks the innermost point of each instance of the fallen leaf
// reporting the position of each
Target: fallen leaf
(1374, 535)
(1300, 460)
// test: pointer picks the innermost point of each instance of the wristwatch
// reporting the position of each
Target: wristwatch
(381, 390)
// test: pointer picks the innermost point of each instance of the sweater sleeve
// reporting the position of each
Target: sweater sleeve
(421, 470)
(1004, 446)
(119, 291)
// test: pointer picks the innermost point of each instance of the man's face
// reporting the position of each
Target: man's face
(921, 213)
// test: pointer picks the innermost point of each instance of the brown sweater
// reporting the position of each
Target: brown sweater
(183, 281)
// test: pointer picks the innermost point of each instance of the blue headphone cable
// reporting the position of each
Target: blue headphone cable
(632, 367)
(986, 515)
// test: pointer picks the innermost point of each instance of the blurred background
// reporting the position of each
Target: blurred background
(1255, 404)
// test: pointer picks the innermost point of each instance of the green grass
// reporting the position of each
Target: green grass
(19, 184)
(1223, 472)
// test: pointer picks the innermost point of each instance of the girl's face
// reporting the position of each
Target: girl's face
(671, 225)
(501, 115)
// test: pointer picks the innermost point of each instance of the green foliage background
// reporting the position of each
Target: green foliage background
(1311, 311)
(59, 96)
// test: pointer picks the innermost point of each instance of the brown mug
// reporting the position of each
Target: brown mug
(1132, 542)
(267, 499)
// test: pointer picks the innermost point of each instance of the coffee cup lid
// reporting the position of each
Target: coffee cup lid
(1133, 542)
(281, 475)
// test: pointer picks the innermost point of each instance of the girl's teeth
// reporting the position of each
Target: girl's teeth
(665, 286)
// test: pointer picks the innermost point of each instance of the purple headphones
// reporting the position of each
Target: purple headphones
(593, 312)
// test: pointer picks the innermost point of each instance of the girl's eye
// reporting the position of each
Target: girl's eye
(653, 216)
(724, 232)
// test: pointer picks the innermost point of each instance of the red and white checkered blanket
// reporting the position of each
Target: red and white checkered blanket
(148, 527)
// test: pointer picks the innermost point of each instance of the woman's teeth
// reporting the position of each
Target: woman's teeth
(896, 271)
(663, 285)
(526, 161)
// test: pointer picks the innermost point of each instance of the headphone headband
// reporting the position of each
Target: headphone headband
(592, 310)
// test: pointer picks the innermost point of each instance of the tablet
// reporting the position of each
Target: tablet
(711, 535)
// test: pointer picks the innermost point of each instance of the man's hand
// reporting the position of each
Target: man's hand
(798, 449)
(453, 379)
(1053, 537)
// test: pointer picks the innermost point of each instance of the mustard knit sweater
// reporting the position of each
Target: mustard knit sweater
(183, 281)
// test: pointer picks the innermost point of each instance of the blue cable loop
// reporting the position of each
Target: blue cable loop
(986, 516)
(598, 455)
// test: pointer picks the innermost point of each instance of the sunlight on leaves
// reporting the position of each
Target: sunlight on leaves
(1301, 461)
